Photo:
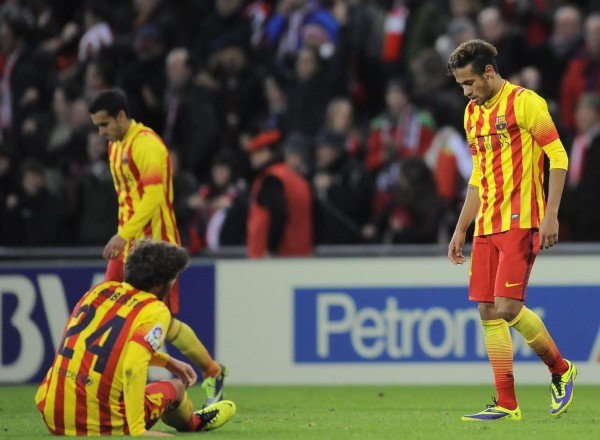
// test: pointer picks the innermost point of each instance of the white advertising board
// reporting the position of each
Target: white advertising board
(389, 320)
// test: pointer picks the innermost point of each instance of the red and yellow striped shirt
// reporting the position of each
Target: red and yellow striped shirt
(143, 179)
(507, 136)
(92, 376)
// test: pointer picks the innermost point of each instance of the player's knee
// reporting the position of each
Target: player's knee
(507, 312)
(179, 389)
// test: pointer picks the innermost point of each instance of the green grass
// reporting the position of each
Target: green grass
(357, 412)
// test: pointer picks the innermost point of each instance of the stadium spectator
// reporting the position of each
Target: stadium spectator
(339, 118)
(308, 94)
(218, 209)
(238, 87)
(9, 183)
(415, 211)
(28, 77)
(95, 203)
(512, 49)
(184, 184)
(33, 216)
(143, 79)
(582, 73)
(156, 14)
(98, 74)
(142, 174)
(293, 23)
(450, 160)
(227, 18)
(189, 116)
(343, 192)
(297, 154)
(434, 92)
(274, 115)
(55, 137)
(406, 31)
(459, 29)
(97, 32)
(280, 216)
(582, 209)
(402, 131)
(552, 57)
(120, 401)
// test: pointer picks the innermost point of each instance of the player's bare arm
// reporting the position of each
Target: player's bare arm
(183, 371)
(114, 247)
(549, 224)
(467, 215)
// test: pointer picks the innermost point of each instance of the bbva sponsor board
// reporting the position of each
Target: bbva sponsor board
(35, 303)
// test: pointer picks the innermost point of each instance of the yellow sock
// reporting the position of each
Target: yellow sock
(531, 326)
(182, 418)
(185, 340)
(498, 344)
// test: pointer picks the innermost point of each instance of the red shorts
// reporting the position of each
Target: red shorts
(114, 272)
(159, 397)
(501, 264)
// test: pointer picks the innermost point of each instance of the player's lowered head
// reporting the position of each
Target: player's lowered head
(473, 65)
(109, 111)
(153, 266)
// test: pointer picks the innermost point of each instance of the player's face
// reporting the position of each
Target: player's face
(109, 127)
(478, 88)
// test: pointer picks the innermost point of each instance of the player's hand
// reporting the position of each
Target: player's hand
(455, 248)
(156, 434)
(548, 232)
(114, 247)
(183, 371)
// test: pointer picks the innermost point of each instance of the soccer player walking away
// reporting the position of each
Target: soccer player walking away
(141, 170)
(96, 384)
(508, 128)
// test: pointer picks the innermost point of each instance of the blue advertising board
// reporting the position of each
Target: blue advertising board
(35, 302)
(430, 324)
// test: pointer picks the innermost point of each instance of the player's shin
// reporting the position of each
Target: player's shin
(531, 326)
(499, 347)
(182, 418)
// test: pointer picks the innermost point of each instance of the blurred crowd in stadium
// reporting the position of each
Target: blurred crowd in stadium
(357, 88)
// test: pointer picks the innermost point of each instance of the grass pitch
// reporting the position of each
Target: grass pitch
(357, 412)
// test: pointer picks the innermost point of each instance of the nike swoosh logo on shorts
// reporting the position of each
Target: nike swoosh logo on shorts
(507, 284)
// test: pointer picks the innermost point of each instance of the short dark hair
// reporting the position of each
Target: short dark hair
(153, 263)
(112, 101)
(477, 53)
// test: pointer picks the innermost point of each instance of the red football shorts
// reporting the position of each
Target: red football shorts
(114, 272)
(501, 264)
(159, 397)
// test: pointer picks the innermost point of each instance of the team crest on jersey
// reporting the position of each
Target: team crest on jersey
(155, 336)
(501, 122)
(124, 159)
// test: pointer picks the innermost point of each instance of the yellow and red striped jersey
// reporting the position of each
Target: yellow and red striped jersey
(83, 391)
(143, 179)
(508, 136)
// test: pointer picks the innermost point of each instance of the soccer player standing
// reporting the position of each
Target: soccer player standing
(95, 385)
(509, 130)
(141, 170)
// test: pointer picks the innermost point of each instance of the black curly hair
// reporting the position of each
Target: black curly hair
(154, 263)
